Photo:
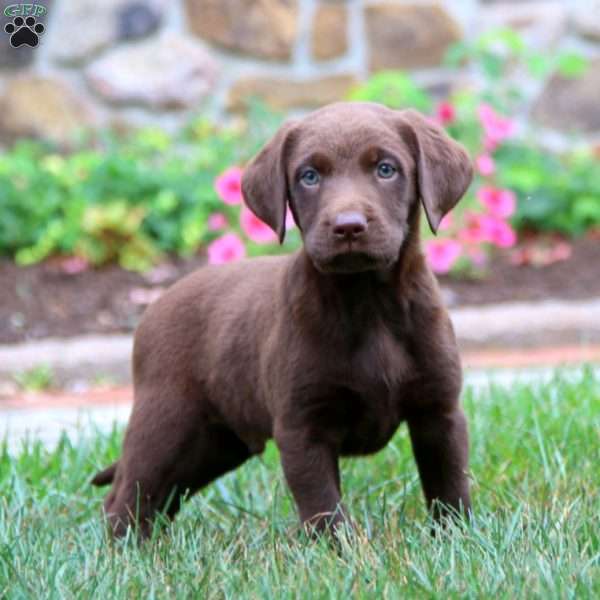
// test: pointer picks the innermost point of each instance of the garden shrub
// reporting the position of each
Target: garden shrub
(129, 200)
(558, 193)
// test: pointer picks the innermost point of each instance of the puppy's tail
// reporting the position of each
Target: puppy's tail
(106, 476)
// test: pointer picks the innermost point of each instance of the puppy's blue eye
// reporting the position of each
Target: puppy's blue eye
(310, 177)
(385, 170)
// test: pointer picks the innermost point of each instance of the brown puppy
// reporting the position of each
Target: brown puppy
(326, 350)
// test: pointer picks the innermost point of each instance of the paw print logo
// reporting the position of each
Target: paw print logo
(24, 31)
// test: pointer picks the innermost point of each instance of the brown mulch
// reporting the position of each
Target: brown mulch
(43, 301)
(576, 278)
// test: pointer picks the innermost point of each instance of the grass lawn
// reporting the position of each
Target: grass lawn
(536, 481)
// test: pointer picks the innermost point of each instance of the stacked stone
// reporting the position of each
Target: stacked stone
(127, 62)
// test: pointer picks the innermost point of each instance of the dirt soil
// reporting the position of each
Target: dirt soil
(43, 301)
(577, 278)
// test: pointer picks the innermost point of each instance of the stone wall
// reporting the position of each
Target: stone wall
(130, 62)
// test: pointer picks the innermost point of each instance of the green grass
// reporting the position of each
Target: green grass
(36, 379)
(536, 479)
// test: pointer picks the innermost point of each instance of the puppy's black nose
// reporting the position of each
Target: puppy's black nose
(349, 225)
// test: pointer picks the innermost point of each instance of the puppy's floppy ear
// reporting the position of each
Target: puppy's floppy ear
(264, 183)
(444, 169)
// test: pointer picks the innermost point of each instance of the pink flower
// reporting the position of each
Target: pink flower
(500, 203)
(256, 229)
(161, 274)
(227, 248)
(562, 251)
(445, 113)
(477, 255)
(229, 186)
(144, 295)
(217, 221)
(442, 254)
(500, 233)
(485, 165)
(497, 128)
(446, 223)
(475, 230)
(289, 220)
(489, 143)
(74, 264)
(541, 254)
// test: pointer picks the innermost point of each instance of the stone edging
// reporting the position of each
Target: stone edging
(496, 328)
(524, 324)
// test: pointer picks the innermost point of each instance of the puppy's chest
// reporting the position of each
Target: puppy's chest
(379, 371)
(381, 357)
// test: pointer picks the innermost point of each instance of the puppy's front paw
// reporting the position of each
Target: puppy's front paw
(328, 523)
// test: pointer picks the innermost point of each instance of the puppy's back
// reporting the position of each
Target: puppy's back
(210, 316)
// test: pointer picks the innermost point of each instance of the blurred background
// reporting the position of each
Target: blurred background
(125, 126)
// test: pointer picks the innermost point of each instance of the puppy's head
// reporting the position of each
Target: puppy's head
(352, 174)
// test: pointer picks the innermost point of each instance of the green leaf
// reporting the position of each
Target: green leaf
(394, 89)
(539, 66)
(493, 65)
(571, 64)
(586, 209)
(502, 36)
(456, 54)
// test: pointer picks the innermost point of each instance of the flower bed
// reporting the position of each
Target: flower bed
(137, 200)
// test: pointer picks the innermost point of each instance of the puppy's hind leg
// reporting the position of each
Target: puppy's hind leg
(170, 448)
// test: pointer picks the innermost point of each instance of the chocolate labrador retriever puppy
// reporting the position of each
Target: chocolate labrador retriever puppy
(326, 350)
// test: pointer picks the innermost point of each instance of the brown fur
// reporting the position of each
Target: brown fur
(326, 350)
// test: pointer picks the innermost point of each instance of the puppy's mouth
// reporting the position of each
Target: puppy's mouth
(354, 256)
(351, 262)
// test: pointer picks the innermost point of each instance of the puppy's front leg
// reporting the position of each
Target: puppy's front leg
(312, 473)
(441, 448)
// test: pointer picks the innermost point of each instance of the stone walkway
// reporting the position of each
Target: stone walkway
(49, 424)
(499, 327)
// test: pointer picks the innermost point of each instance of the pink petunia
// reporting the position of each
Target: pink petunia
(217, 221)
(475, 230)
(446, 223)
(500, 203)
(289, 220)
(490, 144)
(229, 186)
(145, 296)
(227, 248)
(445, 113)
(500, 233)
(442, 254)
(477, 255)
(541, 254)
(562, 251)
(497, 128)
(74, 264)
(485, 165)
(256, 229)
